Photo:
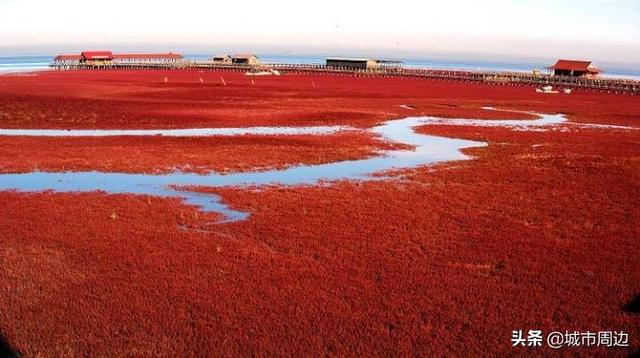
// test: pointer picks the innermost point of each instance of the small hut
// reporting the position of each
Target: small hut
(572, 68)
(353, 63)
(224, 59)
(245, 59)
(65, 60)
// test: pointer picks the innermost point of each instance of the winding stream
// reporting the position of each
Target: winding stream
(428, 149)
(189, 132)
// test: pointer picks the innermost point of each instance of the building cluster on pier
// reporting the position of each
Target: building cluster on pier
(237, 59)
(564, 73)
(108, 57)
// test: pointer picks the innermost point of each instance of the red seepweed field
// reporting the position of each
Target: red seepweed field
(538, 232)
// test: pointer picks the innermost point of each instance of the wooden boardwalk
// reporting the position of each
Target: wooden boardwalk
(495, 78)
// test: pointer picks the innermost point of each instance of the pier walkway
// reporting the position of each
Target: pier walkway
(495, 78)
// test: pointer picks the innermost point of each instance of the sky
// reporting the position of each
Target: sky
(605, 30)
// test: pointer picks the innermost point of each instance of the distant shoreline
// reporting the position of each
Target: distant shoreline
(29, 63)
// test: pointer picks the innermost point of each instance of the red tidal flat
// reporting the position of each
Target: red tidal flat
(120, 99)
(540, 231)
(156, 154)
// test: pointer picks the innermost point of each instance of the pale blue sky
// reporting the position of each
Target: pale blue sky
(607, 30)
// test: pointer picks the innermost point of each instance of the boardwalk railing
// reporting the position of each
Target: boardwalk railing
(496, 78)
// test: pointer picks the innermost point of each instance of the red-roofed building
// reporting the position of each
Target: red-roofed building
(96, 56)
(575, 69)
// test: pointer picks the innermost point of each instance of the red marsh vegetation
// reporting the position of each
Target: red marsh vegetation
(539, 231)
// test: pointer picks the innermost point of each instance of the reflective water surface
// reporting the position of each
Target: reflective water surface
(427, 149)
(190, 132)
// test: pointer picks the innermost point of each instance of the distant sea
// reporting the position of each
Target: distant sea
(35, 63)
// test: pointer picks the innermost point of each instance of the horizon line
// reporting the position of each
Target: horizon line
(405, 56)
